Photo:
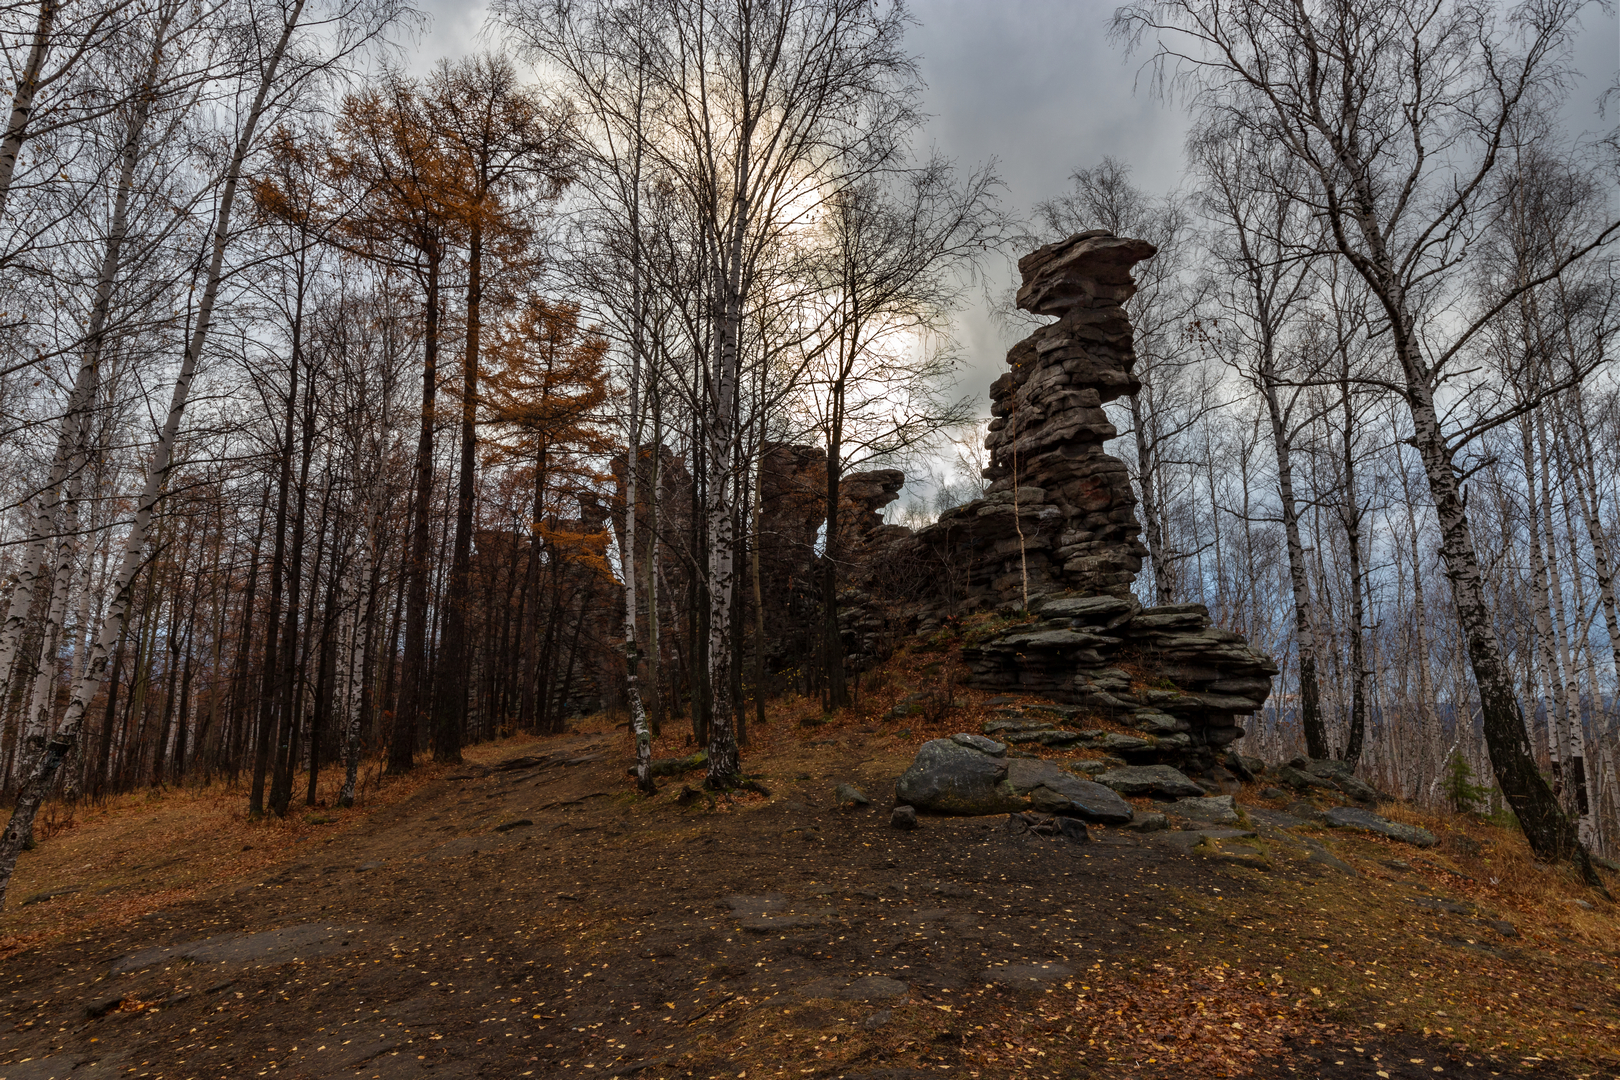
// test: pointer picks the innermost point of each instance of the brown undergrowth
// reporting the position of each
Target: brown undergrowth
(110, 862)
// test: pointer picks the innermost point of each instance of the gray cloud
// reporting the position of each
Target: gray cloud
(1037, 85)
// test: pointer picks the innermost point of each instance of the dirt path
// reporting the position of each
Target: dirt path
(537, 920)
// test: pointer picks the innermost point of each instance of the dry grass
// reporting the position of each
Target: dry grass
(1291, 950)
(1374, 957)
(112, 862)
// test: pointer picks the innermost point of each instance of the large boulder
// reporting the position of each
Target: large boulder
(949, 777)
(969, 774)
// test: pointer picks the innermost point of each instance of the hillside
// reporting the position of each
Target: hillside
(527, 914)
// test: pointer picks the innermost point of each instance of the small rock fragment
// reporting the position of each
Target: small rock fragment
(850, 795)
(904, 818)
(1149, 823)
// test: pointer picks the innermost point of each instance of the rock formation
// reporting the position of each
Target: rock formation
(1056, 535)
(970, 774)
(1059, 512)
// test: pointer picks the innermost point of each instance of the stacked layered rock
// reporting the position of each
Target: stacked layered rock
(1056, 535)
(1059, 512)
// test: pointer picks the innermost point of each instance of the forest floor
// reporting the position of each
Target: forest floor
(528, 914)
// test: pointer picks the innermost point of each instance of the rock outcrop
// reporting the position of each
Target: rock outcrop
(1056, 536)
(1059, 514)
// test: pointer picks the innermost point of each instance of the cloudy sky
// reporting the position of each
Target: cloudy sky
(1037, 85)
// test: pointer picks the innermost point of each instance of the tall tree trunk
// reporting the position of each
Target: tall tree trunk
(264, 734)
(654, 647)
(1550, 679)
(288, 698)
(528, 717)
(357, 692)
(1358, 611)
(22, 99)
(632, 472)
(71, 444)
(413, 673)
(724, 765)
(759, 596)
(325, 679)
(1581, 801)
(1310, 694)
(832, 642)
(1152, 519)
(108, 715)
(450, 688)
(67, 735)
(1549, 831)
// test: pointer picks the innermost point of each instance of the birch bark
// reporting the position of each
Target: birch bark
(22, 100)
(38, 782)
(67, 470)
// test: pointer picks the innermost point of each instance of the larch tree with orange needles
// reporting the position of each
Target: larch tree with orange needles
(398, 199)
(546, 391)
(506, 151)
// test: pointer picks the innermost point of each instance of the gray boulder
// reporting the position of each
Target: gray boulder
(954, 776)
(1352, 817)
(1055, 790)
(950, 778)
(1149, 780)
(1300, 780)
(1217, 809)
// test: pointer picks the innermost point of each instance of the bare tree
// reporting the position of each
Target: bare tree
(896, 257)
(1400, 115)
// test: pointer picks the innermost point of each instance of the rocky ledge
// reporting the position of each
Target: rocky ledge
(974, 775)
(1164, 672)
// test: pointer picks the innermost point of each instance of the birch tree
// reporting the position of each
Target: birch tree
(266, 86)
(1363, 96)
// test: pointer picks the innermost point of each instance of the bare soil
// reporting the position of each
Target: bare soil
(530, 915)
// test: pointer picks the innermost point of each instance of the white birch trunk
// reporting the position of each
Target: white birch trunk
(71, 447)
(354, 688)
(721, 430)
(22, 101)
(632, 469)
(38, 782)
(1565, 763)
(1552, 685)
